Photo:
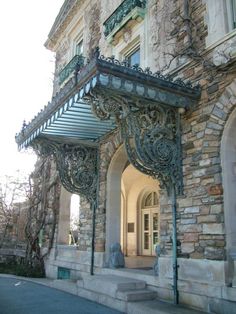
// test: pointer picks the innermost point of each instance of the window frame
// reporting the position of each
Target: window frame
(131, 53)
(220, 19)
(77, 44)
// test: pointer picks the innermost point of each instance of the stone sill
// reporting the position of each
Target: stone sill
(67, 247)
(220, 41)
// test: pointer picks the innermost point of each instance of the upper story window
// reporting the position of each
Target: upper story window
(231, 9)
(79, 48)
(75, 61)
(221, 19)
(134, 57)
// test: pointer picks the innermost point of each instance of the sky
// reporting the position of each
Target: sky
(26, 73)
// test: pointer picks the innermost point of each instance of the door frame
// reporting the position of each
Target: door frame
(140, 208)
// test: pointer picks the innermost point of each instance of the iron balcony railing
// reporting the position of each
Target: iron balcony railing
(74, 65)
(121, 12)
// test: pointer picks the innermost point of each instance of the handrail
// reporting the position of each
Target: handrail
(75, 64)
(121, 12)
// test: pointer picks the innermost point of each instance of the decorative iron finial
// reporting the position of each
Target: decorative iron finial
(97, 52)
(24, 125)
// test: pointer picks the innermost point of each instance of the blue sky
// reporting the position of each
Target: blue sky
(26, 72)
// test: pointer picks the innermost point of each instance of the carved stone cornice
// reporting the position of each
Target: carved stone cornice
(64, 17)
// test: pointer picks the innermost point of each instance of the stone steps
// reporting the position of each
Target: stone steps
(121, 301)
(114, 291)
(136, 295)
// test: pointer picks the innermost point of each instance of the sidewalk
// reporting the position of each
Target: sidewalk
(144, 307)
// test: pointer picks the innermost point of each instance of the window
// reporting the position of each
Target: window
(231, 13)
(221, 19)
(79, 48)
(150, 200)
(150, 222)
(234, 12)
(134, 58)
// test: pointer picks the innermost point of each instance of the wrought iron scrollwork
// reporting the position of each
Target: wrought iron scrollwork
(105, 105)
(77, 166)
(151, 137)
(151, 133)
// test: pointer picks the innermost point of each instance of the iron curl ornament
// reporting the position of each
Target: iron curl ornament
(76, 164)
(152, 141)
(151, 134)
(104, 105)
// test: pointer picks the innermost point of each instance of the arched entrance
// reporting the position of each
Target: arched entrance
(132, 208)
(228, 158)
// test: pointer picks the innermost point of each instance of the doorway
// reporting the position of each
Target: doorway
(131, 195)
(150, 223)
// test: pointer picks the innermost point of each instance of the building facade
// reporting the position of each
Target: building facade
(142, 124)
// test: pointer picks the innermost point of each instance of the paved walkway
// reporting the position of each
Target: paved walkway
(19, 295)
(24, 297)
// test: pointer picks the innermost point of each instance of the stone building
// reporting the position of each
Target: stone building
(143, 129)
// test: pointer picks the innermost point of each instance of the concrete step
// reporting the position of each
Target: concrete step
(136, 295)
(65, 285)
(110, 284)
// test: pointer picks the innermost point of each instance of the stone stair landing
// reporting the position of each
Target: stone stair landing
(114, 291)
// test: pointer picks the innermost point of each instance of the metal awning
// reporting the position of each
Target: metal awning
(70, 116)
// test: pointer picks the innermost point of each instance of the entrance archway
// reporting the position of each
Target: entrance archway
(131, 197)
(228, 158)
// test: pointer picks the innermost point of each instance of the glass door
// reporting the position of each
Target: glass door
(146, 232)
(150, 233)
(150, 223)
(155, 230)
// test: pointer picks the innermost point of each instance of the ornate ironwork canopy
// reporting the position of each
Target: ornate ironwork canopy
(69, 115)
(106, 93)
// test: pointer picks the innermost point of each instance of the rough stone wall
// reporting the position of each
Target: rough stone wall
(201, 227)
(201, 213)
(85, 234)
(92, 27)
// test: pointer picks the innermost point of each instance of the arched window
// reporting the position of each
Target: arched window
(150, 200)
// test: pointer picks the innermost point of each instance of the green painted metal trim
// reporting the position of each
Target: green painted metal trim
(126, 10)
(63, 273)
(136, 14)
(75, 64)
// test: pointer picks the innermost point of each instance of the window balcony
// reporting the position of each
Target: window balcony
(127, 10)
(74, 65)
